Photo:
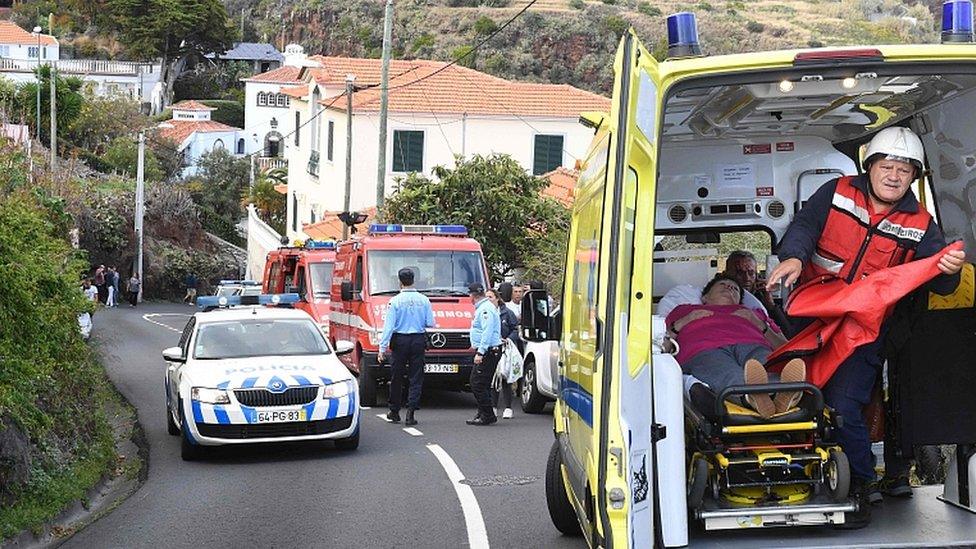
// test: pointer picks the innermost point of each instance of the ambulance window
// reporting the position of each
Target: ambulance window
(357, 284)
(320, 277)
(275, 277)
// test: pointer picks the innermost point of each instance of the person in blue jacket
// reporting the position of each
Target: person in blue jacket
(486, 339)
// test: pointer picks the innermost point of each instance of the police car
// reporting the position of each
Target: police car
(245, 373)
(228, 288)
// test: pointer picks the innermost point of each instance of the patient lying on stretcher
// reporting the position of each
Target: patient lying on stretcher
(723, 343)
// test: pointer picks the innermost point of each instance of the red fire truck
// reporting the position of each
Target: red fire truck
(305, 270)
(444, 261)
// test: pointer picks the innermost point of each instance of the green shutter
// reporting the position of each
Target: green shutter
(408, 151)
(548, 154)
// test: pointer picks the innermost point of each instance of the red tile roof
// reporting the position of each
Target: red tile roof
(281, 75)
(178, 130)
(562, 185)
(298, 92)
(191, 105)
(330, 228)
(10, 33)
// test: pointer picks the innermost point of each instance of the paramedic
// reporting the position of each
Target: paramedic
(721, 342)
(851, 227)
(404, 334)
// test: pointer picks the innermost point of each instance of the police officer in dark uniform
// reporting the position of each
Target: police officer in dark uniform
(404, 333)
(486, 338)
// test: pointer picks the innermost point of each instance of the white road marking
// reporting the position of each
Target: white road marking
(383, 417)
(412, 431)
(473, 520)
(149, 318)
(365, 408)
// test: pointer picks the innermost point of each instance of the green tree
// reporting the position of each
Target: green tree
(69, 102)
(494, 197)
(102, 119)
(217, 188)
(122, 155)
(270, 203)
(170, 29)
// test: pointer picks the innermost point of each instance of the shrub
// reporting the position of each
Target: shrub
(228, 112)
(705, 6)
(755, 26)
(577, 4)
(485, 25)
(615, 24)
(649, 10)
(609, 2)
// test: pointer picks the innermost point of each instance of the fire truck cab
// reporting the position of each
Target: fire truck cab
(444, 261)
(306, 270)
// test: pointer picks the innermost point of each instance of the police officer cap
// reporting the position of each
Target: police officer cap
(475, 288)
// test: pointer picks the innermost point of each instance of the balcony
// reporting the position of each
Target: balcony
(313, 164)
(268, 163)
(80, 66)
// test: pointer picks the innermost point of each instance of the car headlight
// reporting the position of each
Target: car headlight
(339, 389)
(209, 396)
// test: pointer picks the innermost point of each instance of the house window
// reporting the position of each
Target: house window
(240, 146)
(408, 151)
(311, 215)
(44, 52)
(4, 51)
(218, 145)
(32, 51)
(314, 113)
(328, 144)
(548, 154)
(262, 99)
(298, 126)
(282, 100)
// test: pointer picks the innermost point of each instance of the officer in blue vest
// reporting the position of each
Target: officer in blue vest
(486, 338)
(404, 333)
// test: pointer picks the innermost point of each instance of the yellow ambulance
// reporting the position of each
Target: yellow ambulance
(695, 149)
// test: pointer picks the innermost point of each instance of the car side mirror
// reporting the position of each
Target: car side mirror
(346, 291)
(538, 322)
(174, 354)
(344, 347)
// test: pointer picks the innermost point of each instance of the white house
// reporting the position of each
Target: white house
(194, 134)
(435, 112)
(21, 52)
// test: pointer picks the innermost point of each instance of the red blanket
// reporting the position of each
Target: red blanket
(848, 315)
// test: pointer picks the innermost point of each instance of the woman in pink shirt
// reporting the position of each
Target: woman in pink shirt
(723, 343)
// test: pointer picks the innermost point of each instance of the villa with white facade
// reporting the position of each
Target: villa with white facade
(194, 134)
(452, 111)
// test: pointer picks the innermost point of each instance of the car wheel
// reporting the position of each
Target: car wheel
(561, 511)
(367, 385)
(533, 402)
(350, 443)
(188, 450)
(171, 426)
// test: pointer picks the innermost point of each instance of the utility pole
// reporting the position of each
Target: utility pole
(350, 87)
(54, 119)
(37, 128)
(384, 97)
(140, 209)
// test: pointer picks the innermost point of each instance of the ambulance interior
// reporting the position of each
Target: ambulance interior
(739, 155)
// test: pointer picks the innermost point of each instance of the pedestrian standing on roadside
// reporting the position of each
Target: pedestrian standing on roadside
(191, 288)
(134, 285)
(405, 336)
(486, 338)
(100, 283)
(91, 293)
(110, 282)
(116, 280)
(508, 325)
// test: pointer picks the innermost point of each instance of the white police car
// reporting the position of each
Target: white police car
(228, 288)
(250, 373)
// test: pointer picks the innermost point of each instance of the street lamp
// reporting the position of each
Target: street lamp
(37, 33)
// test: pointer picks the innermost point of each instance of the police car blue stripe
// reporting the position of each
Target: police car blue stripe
(223, 385)
(309, 410)
(249, 382)
(333, 408)
(326, 380)
(222, 417)
(197, 412)
(277, 385)
(352, 404)
(302, 380)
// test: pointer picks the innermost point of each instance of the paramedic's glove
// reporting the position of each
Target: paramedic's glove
(787, 272)
(952, 262)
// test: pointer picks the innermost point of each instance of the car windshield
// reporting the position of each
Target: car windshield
(250, 338)
(321, 275)
(435, 272)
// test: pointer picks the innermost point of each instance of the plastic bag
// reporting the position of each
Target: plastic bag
(511, 362)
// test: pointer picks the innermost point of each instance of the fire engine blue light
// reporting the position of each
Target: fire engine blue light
(382, 228)
(320, 244)
(213, 301)
(957, 21)
(450, 229)
(682, 35)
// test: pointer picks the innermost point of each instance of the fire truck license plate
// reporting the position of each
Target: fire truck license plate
(280, 416)
(440, 368)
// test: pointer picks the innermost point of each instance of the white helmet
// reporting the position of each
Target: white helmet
(896, 143)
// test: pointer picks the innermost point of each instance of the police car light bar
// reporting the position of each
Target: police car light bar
(320, 244)
(223, 301)
(385, 228)
(957, 21)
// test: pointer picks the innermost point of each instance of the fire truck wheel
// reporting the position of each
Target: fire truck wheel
(367, 385)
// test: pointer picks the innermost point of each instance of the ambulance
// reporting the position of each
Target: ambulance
(444, 261)
(695, 149)
(305, 269)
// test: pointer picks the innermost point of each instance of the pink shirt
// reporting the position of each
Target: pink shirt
(719, 329)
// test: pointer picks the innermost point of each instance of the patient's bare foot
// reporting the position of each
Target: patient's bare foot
(795, 371)
(755, 374)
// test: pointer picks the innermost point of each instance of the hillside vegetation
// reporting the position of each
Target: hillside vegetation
(573, 41)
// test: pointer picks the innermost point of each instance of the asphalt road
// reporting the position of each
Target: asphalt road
(391, 492)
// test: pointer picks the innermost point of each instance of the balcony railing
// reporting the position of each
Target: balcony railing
(268, 163)
(80, 66)
(313, 164)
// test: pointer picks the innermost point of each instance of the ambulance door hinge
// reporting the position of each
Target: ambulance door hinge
(658, 432)
(618, 455)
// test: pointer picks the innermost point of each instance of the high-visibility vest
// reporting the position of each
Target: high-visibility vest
(850, 247)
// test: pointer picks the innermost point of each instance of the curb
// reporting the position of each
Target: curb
(129, 474)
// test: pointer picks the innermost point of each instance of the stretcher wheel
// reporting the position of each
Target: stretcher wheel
(698, 483)
(837, 476)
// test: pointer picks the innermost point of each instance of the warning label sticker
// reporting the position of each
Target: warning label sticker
(784, 146)
(764, 191)
(757, 148)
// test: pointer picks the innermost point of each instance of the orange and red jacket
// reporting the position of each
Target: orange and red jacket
(833, 235)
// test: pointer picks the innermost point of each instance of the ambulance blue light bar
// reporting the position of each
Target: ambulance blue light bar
(683, 35)
(385, 228)
(320, 244)
(241, 282)
(957, 21)
(224, 301)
